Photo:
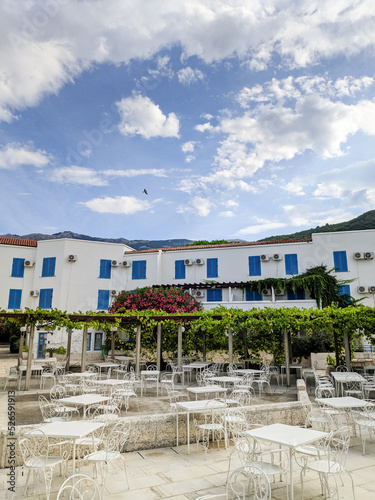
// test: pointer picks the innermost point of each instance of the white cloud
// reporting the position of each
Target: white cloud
(188, 75)
(294, 187)
(260, 228)
(140, 116)
(76, 175)
(227, 213)
(188, 147)
(126, 205)
(14, 155)
(197, 206)
(204, 127)
(132, 172)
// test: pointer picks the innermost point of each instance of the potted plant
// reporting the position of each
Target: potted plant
(25, 352)
(331, 364)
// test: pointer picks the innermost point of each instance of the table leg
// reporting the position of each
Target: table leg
(176, 426)
(291, 473)
(188, 432)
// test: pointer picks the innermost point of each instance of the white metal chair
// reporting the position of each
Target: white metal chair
(353, 388)
(58, 392)
(341, 368)
(51, 412)
(365, 420)
(150, 378)
(213, 426)
(79, 487)
(48, 373)
(12, 375)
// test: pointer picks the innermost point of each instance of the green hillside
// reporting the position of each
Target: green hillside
(364, 221)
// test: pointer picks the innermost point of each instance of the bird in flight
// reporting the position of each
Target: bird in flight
(145, 191)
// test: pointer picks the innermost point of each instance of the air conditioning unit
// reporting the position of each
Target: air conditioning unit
(193, 292)
(29, 263)
(126, 263)
(199, 262)
(266, 291)
(279, 291)
(72, 258)
(188, 262)
(114, 292)
(115, 263)
(359, 255)
(371, 289)
(199, 293)
(34, 293)
(276, 256)
(264, 257)
(369, 255)
(362, 289)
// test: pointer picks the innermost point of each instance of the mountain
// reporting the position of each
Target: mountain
(364, 221)
(136, 244)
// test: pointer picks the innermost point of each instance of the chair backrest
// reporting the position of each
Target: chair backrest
(248, 482)
(341, 368)
(57, 392)
(47, 408)
(338, 445)
(152, 368)
(34, 447)
(79, 486)
(117, 436)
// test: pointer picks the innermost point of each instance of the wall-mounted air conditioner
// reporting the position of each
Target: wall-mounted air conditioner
(188, 262)
(34, 293)
(371, 289)
(199, 293)
(266, 291)
(115, 263)
(193, 292)
(264, 257)
(114, 292)
(369, 255)
(199, 262)
(359, 255)
(362, 289)
(279, 291)
(276, 256)
(72, 258)
(126, 263)
(29, 263)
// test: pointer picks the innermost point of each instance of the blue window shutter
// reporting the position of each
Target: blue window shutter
(179, 269)
(18, 268)
(45, 298)
(344, 290)
(105, 269)
(139, 270)
(340, 261)
(291, 263)
(14, 301)
(299, 294)
(214, 295)
(254, 266)
(252, 295)
(212, 268)
(103, 299)
(48, 268)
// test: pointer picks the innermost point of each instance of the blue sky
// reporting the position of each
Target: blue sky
(241, 119)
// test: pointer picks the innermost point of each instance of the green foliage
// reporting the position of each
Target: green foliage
(213, 242)
(330, 360)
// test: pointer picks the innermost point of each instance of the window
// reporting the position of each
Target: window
(45, 298)
(212, 268)
(105, 269)
(14, 301)
(179, 269)
(291, 263)
(345, 290)
(88, 345)
(98, 341)
(214, 294)
(103, 299)
(254, 266)
(18, 268)
(340, 262)
(299, 294)
(48, 268)
(139, 270)
(253, 295)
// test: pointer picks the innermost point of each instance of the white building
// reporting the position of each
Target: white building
(79, 275)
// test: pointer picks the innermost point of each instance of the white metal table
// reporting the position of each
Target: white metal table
(154, 374)
(289, 436)
(341, 377)
(104, 365)
(248, 371)
(84, 400)
(196, 365)
(207, 389)
(34, 368)
(225, 380)
(283, 371)
(194, 407)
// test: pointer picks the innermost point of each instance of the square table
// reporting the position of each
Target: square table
(194, 407)
(207, 389)
(34, 368)
(283, 371)
(69, 430)
(248, 371)
(289, 436)
(150, 373)
(225, 380)
(84, 400)
(196, 365)
(341, 377)
(105, 365)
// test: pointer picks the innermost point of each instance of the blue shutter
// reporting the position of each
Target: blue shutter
(48, 268)
(254, 266)
(212, 268)
(45, 298)
(18, 268)
(14, 301)
(105, 269)
(299, 294)
(252, 295)
(291, 263)
(345, 290)
(214, 295)
(103, 299)
(340, 261)
(98, 341)
(179, 269)
(139, 270)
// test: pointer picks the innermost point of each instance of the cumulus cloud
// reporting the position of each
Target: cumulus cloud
(15, 155)
(204, 127)
(140, 116)
(260, 228)
(125, 205)
(188, 75)
(76, 175)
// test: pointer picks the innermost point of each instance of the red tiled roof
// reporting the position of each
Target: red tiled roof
(18, 242)
(223, 245)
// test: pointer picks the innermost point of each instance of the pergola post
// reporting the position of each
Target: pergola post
(84, 348)
(347, 350)
(158, 346)
(68, 349)
(137, 349)
(22, 341)
(287, 356)
(113, 331)
(230, 345)
(29, 358)
(179, 345)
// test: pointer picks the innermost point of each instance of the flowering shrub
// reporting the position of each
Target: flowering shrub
(170, 300)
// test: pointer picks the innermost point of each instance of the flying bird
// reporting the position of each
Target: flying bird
(145, 191)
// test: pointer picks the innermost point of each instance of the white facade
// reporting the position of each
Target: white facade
(76, 284)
